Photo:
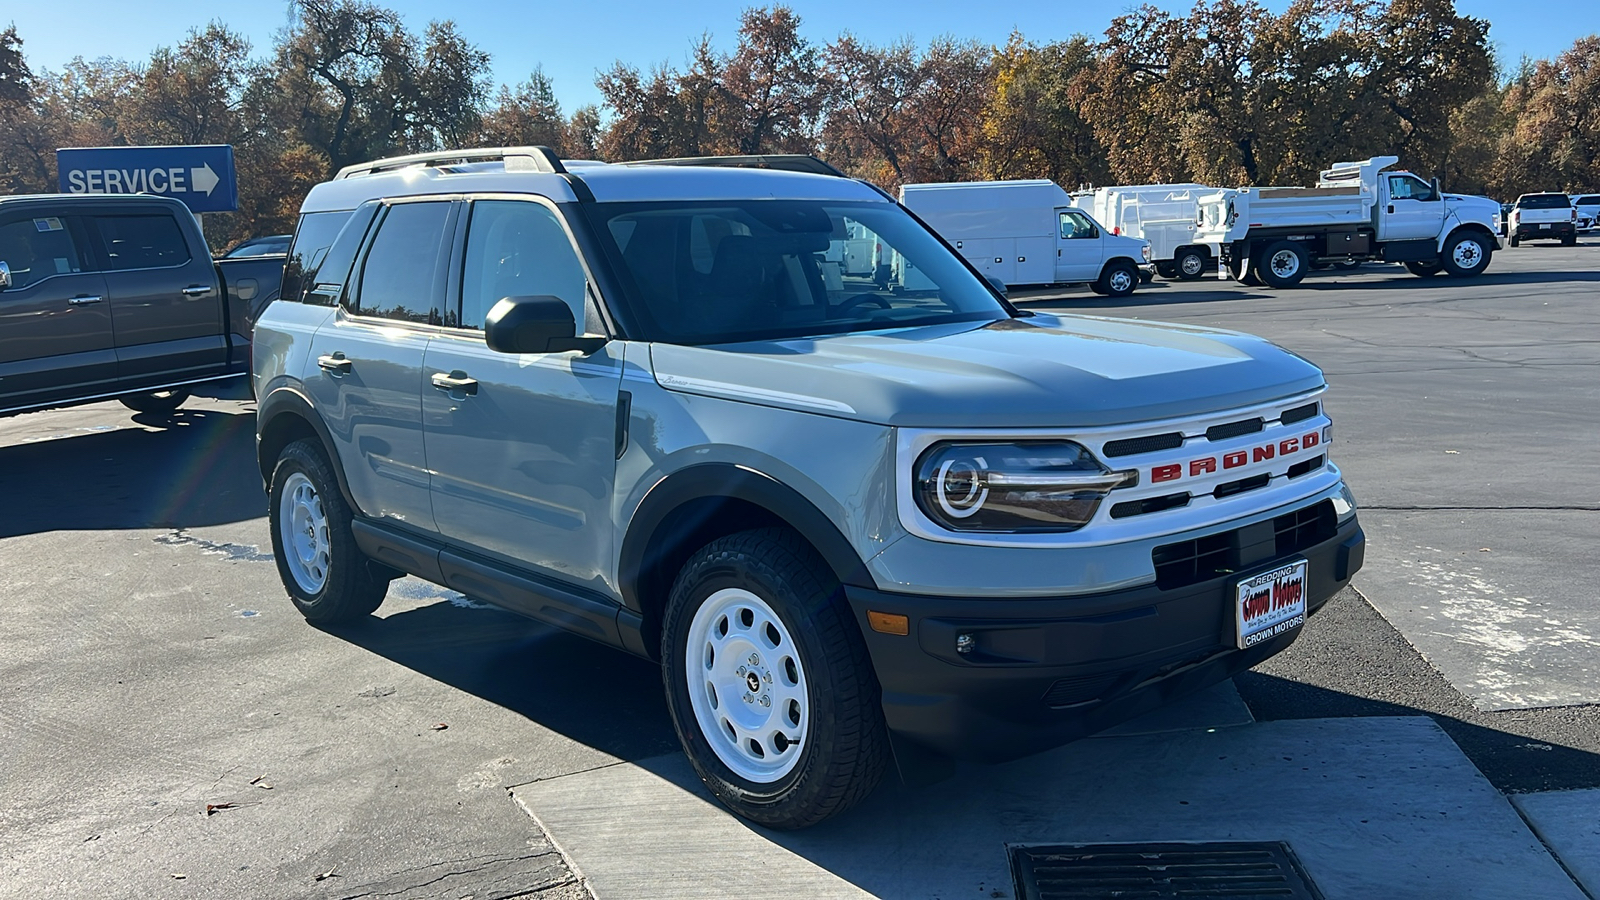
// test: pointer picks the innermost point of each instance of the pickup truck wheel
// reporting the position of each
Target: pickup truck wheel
(156, 401)
(1424, 268)
(1283, 264)
(1465, 255)
(1117, 279)
(768, 681)
(1570, 240)
(325, 573)
(1191, 264)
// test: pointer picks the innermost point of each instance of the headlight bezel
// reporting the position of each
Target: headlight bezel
(1013, 486)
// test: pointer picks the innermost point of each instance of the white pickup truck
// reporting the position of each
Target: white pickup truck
(1356, 212)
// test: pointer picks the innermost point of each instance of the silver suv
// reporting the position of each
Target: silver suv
(856, 520)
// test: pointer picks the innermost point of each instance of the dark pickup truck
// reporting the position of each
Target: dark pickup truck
(117, 296)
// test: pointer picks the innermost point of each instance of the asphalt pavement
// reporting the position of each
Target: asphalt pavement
(171, 727)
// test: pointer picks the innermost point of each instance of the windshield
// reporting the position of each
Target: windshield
(708, 272)
(273, 246)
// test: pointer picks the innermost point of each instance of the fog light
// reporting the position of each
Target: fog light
(964, 643)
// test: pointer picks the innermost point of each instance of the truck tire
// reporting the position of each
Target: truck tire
(768, 681)
(1244, 272)
(1424, 268)
(1191, 263)
(1569, 240)
(325, 573)
(1167, 270)
(156, 401)
(1466, 254)
(1283, 264)
(1118, 279)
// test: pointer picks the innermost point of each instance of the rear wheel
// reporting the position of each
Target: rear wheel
(1283, 264)
(1424, 268)
(1466, 254)
(1117, 279)
(156, 401)
(768, 681)
(1191, 263)
(1570, 240)
(1167, 270)
(327, 576)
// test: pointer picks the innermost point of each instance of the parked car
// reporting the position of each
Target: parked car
(270, 245)
(1357, 212)
(1546, 216)
(850, 521)
(116, 296)
(1588, 207)
(1028, 233)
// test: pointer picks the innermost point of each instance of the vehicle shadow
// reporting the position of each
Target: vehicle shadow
(197, 468)
(594, 694)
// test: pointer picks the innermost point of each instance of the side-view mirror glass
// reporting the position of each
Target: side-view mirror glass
(5, 276)
(537, 324)
(998, 285)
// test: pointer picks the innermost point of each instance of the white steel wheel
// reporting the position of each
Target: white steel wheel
(1285, 263)
(1192, 265)
(1467, 254)
(747, 686)
(304, 532)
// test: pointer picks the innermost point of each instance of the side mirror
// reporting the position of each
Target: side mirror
(540, 324)
(998, 285)
(5, 276)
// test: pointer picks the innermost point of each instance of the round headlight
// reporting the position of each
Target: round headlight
(1014, 487)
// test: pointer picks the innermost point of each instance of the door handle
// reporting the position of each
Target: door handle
(196, 290)
(455, 381)
(1391, 207)
(335, 364)
(85, 300)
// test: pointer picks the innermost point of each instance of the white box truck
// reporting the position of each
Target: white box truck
(1164, 215)
(1028, 233)
(1356, 212)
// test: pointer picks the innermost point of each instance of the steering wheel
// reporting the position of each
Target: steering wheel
(860, 299)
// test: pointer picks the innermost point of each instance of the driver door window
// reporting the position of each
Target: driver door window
(1076, 226)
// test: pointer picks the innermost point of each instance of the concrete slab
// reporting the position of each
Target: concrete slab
(1379, 807)
(1501, 602)
(1215, 707)
(1569, 824)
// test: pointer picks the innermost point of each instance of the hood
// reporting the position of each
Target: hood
(1035, 372)
(1472, 199)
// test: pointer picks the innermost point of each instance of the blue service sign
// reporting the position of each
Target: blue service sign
(201, 176)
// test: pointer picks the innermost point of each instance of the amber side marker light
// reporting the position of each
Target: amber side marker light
(888, 623)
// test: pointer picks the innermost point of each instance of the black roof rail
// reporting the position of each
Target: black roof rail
(517, 159)
(783, 162)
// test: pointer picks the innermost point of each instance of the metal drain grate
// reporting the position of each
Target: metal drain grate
(1203, 871)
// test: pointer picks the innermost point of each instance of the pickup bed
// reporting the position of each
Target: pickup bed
(117, 296)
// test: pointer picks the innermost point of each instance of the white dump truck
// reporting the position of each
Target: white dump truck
(1029, 233)
(1164, 215)
(1357, 212)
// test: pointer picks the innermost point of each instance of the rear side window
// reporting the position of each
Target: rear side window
(142, 242)
(37, 248)
(312, 237)
(330, 267)
(1544, 201)
(517, 248)
(398, 276)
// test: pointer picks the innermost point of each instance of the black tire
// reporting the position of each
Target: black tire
(1424, 268)
(846, 747)
(1191, 263)
(1283, 264)
(1244, 272)
(156, 401)
(1146, 276)
(352, 587)
(1167, 270)
(1466, 254)
(1570, 240)
(1118, 279)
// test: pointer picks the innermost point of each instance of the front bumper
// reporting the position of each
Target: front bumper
(1045, 671)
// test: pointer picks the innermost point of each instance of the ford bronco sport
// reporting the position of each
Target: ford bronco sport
(854, 521)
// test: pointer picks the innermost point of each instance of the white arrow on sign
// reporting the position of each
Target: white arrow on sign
(203, 179)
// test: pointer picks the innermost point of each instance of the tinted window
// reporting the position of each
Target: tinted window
(397, 277)
(325, 281)
(707, 272)
(142, 242)
(1544, 201)
(517, 249)
(1590, 200)
(36, 249)
(312, 237)
(1075, 224)
(267, 246)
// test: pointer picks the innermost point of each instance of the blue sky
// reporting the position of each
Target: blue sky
(573, 40)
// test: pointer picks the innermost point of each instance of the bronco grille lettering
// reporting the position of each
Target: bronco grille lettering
(1208, 465)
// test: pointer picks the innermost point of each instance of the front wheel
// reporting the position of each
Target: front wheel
(156, 401)
(1283, 264)
(1466, 255)
(1191, 264)
(325, 573)
(769, 684)
(1118, 279)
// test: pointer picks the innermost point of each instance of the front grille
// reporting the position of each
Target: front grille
(1230, 488)
(1214, 555)
(1217, 870)
(1304, 466)
(1147, 444)
(1078, 689)
(1234, 429)
(1149, 505)
(1298, 414)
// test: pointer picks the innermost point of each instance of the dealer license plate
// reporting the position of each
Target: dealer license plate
(1544, 224)
(1270, 604)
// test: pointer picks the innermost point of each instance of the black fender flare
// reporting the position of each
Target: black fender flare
(736, 482)
(286, 400)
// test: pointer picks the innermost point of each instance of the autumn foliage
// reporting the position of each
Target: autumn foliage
(1229, 93)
